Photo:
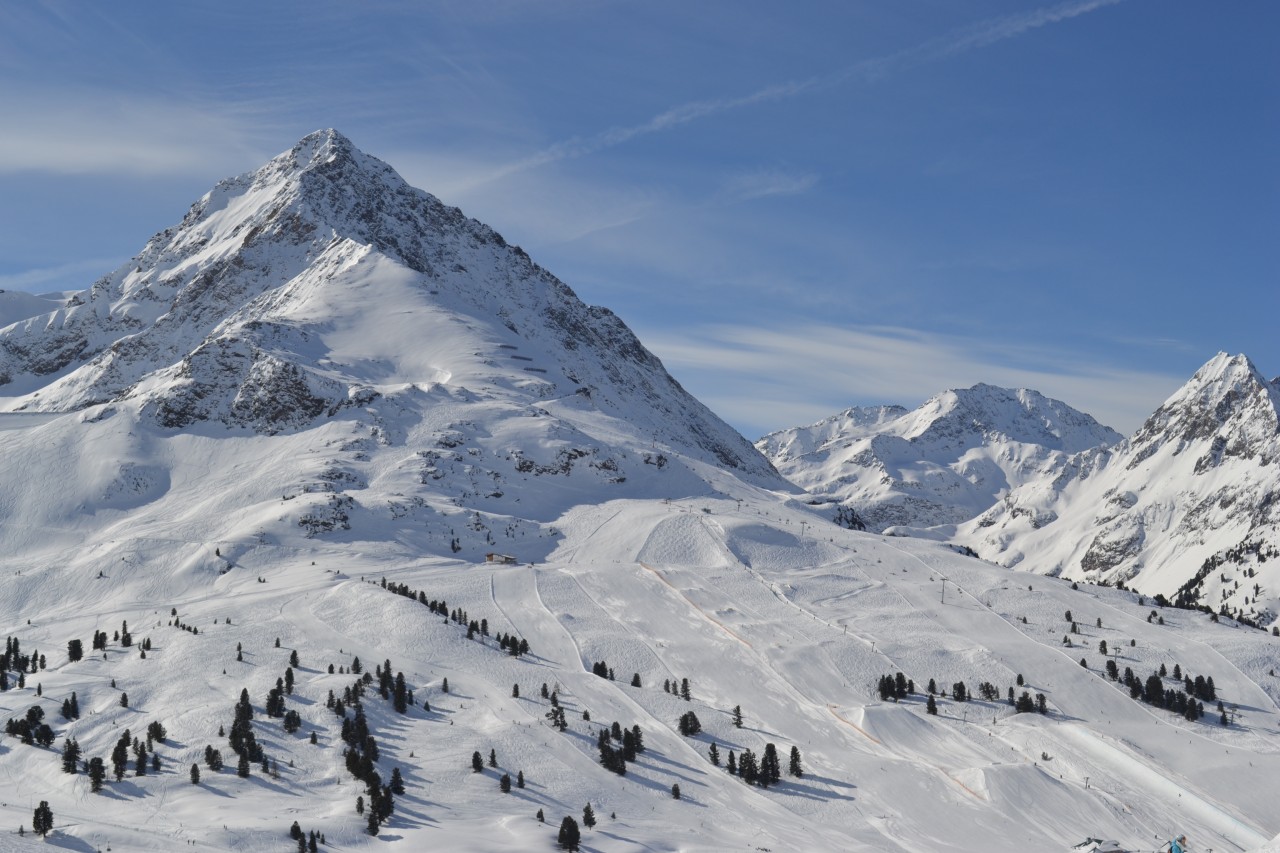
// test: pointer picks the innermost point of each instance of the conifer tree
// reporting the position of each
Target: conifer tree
(675, 791)
(569, 836)
(770, 772)
(97, 773)
(737, 716)
(588, 816)
(477, 762)
(504, 784)
(70, 756)
(794, 767)
(713, 752)
(195, 774)
(42, 820)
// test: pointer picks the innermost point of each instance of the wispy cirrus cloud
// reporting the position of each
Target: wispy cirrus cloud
(963, 40)
(762, 183)
(762, 379)
(83, 131)
(75, 275)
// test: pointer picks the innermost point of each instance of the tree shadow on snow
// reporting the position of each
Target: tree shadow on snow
(69, 842)
(793, 788)
(826, 780)
(216, 791)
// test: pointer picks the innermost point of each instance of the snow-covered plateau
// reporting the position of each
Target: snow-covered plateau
(328, 419)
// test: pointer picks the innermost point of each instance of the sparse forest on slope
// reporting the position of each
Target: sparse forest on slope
(333, 522)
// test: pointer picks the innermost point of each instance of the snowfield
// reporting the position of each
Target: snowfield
(324, 389)
(793, 627)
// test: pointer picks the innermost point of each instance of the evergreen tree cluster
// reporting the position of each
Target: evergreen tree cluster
(894, 687)
(1186, 700)
(13, 660)
(1024, 704)
(617, 746)
(512, 645)
(361, 752)
(763, 771)
(603, 670)
(241, 737)
(308, 842)
(680, 689)
(31, 729)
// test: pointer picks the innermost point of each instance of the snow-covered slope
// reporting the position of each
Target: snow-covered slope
(413, 363)
(1185, 507)
(297, 423)
(942, 463)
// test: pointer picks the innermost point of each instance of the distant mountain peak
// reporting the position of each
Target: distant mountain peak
(942, 463)
(1226, 390)
(1194, 486)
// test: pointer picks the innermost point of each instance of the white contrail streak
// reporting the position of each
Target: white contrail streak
(973, 37)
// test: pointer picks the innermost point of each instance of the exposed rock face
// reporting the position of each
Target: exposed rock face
(214, 318)
(427, 364)
(1185, 507)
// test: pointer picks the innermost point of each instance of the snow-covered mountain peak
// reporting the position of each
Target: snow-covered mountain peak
(321, 295)
(1193, 488)
(941, 463)
(1228, 395)
(1021, 415)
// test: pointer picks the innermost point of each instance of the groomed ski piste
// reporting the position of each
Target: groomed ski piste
(751, 601)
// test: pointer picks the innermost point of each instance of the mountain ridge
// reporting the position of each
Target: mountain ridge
(293, 486)
(1194, 483)
(941, 463)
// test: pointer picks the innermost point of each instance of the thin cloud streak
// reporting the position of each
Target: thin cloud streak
(87, 132)
(73, 276)
(973, 37)
(763, 183)
(763, 379)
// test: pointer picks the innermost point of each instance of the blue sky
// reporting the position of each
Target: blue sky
(799, 206)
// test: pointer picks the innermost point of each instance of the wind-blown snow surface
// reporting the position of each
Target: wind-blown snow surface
(943, 463)
(314, 383)
(1184, 507)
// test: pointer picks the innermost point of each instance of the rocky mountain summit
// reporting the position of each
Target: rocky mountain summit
(322, 298)
(1185, 507)
(942, 463)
